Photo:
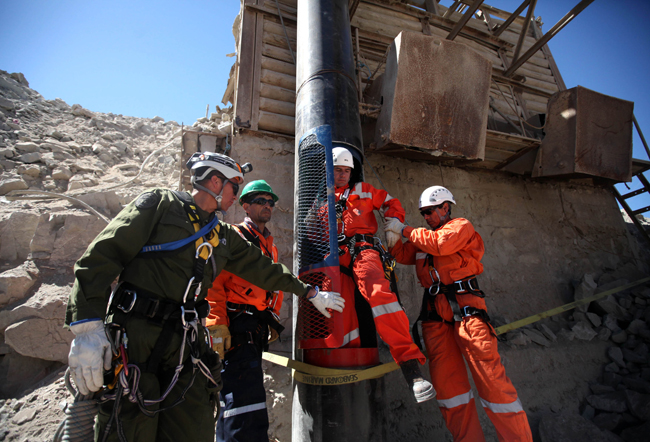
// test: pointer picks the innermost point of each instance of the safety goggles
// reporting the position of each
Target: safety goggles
(263, 201)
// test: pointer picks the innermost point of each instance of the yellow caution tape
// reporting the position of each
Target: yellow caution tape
(313, 375)
(566, 307)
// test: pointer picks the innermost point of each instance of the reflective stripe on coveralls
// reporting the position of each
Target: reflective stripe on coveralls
(457, 249)
(368, 272)
(243, 410)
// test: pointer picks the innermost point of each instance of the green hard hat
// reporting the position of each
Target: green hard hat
(257, 186)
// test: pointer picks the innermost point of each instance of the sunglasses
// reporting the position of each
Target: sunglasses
(263, 201)
(429, 211)
(235, 186)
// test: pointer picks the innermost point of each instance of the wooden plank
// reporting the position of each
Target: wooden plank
(245, 71)
(278, 66)
(255, 96)
(278, 41)
(277, 93)
(277, 53)
(277, 123)
(277, 79)
(475, 30)
(277, 107)
(551, 61)
(284, 7)
(276, 28)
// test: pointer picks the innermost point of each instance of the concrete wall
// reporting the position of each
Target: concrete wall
(540, 238)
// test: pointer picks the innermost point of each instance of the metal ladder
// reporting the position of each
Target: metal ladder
(644, 189)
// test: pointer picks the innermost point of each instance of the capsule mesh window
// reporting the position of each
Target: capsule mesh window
(312, 234)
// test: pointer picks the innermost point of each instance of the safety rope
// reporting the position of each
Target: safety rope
(314, 375)
(571, 305)
(79, 421)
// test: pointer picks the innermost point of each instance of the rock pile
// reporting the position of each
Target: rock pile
(64, 172)
(618, 407)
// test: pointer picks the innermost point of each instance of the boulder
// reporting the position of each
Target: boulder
(74, 236)
(616, 355)
(27, 147)
(12, 183)
(537, 337)
(584, 289)
(62, 173)
(16, 233)
(583, 331)
(615, 402)
(40, 339)
(572, 428)
(31, 157)
(20, 78)
(607, 421)
(6, 104)
(79, 111)
(635, 326)
(16, 282)
(638, 404)
(105, 202)
(547, 332)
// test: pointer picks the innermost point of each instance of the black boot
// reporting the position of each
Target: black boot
(422, 389)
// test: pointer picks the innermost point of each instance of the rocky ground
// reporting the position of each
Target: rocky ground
(67, 170)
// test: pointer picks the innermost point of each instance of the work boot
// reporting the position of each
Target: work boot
(422, 389)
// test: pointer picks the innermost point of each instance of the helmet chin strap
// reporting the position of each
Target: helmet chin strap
(443, 219)
(216, 197)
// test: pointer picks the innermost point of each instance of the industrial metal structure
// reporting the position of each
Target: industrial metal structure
(467, 86)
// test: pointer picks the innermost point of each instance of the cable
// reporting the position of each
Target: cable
(79, 421)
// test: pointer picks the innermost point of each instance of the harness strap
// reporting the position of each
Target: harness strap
(259, 336)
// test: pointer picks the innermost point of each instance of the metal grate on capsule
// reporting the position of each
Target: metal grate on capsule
(316, 249)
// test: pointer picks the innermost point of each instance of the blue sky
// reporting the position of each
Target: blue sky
(168, 58)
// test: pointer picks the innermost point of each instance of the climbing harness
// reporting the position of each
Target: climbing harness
(428, 310)
(186, 318)
(266, 319)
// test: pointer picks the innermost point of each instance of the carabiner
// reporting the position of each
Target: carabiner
(204, 244)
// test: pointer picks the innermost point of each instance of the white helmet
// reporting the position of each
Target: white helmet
(342, 157)
(435, 195)
(209, 161)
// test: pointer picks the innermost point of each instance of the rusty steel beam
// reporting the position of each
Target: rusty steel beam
(638, 129)
(550, 34)
(464, 19)
(502, 27)
(524, 29)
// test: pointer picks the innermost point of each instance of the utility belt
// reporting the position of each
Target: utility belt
(257, 334)
(428, 310)
(128, 300)
(372, 242)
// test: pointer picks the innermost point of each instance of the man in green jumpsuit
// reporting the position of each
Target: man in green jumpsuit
(156, 338)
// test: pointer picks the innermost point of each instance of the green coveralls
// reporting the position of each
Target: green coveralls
(158, 217)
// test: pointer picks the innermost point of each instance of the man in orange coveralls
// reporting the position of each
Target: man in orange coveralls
(356, 203)
(241, 317)
(456, 323)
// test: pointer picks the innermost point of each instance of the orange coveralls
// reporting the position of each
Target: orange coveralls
(457, 250)
(391, 322)
(244, 415)
(231, 288)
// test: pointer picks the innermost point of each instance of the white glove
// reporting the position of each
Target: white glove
(393, 225)
(392, 238)
(324, 300)
(90, 354)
